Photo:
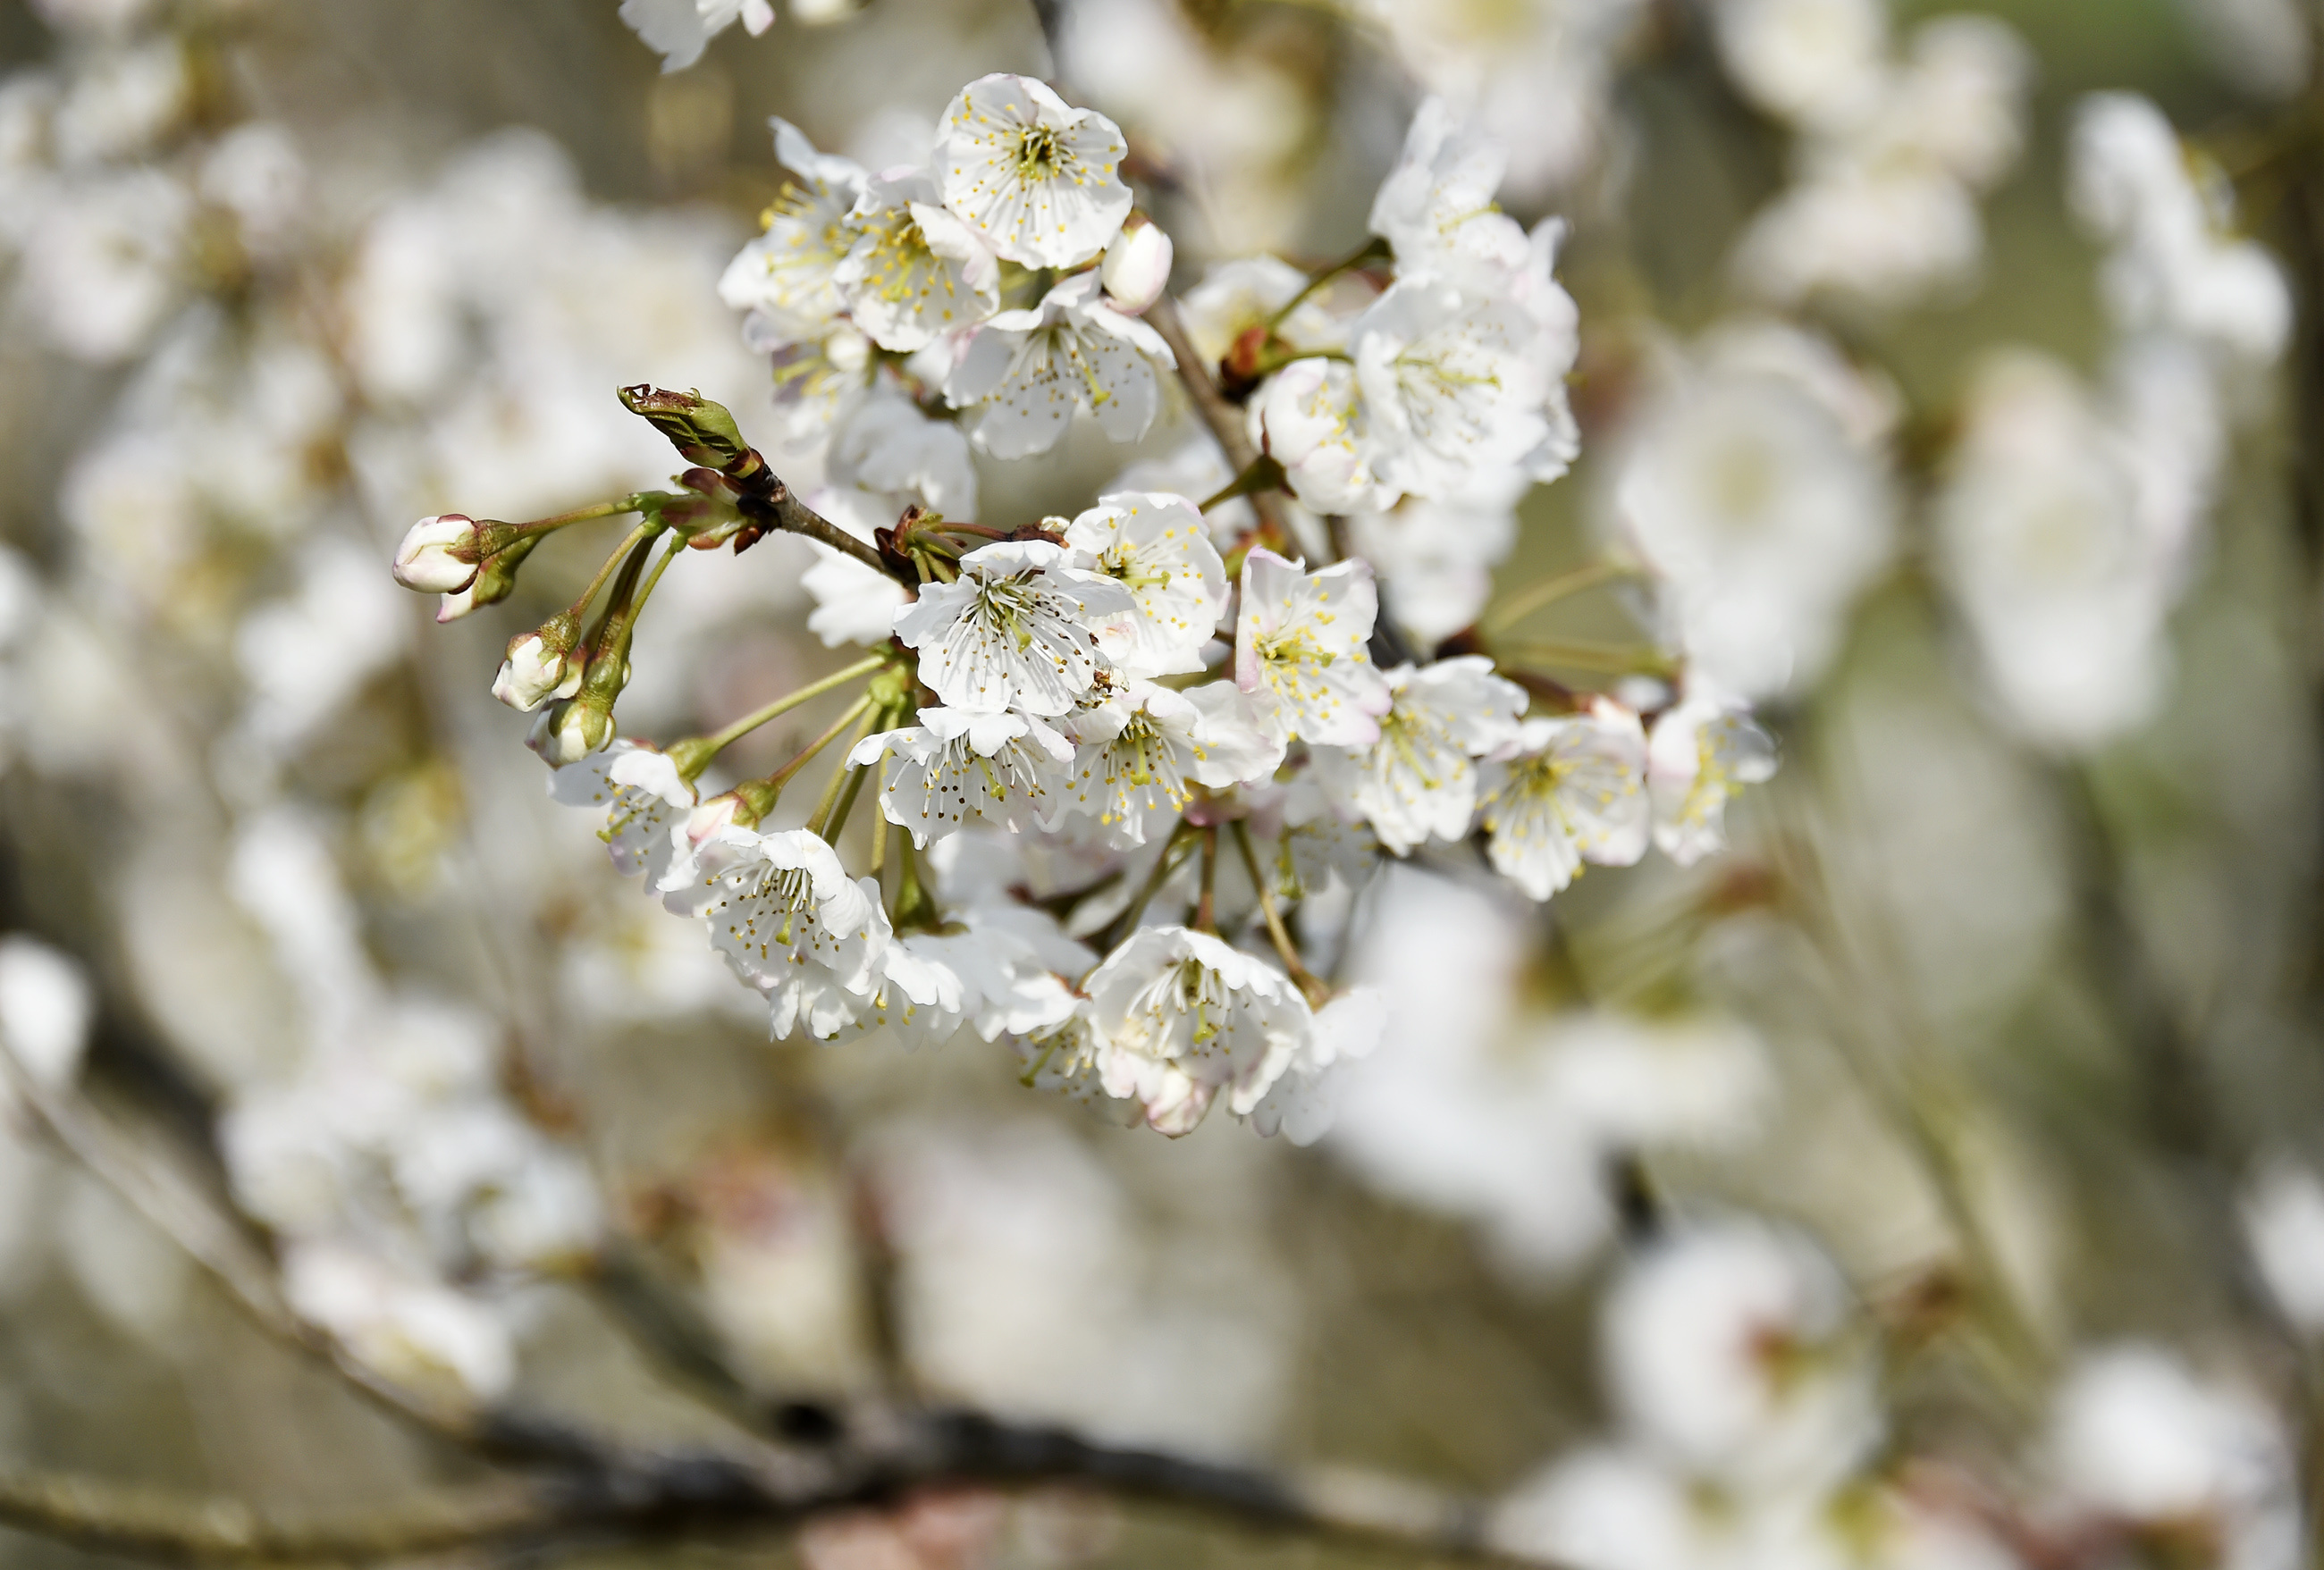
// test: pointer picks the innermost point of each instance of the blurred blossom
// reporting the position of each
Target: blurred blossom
(2262, 46)
(1023, 1288)
(2284, 1219)
(2063, 563)
(1891, 157)
(46, 1009)
(2187, 1465)
(1535, 74)
(2173, 264)
(1756, 485)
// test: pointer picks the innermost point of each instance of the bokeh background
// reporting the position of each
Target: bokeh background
(2023, 1036)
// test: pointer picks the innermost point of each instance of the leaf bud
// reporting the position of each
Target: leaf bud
(702, 431)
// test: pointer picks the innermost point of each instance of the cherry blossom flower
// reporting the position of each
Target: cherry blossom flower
(1025, 371)
(777, 902)
(1246, 292)
(2174, 265)
(788, 276)
(1031, 173)
(1143, 750)
(1574, 790)
(1301, 1104)
(680, 29)
(1419, 780)
(536, 670)
(1436, 206)
(646, 802)
(969, 766)
(1451, 382)
(1302, 636)
(1015, 630)
(1180, 1016)
(1699, 754)
(914, 270)
(1312, 418)
(1155, 544)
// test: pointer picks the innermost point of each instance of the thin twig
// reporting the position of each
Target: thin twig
(1220, 416)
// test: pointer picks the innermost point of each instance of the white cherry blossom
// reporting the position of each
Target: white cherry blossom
(1144, 749)
(646, 802)
(787, 276)
(1301, 637)
(1016, 630)
(969, 766)
(680, 29)
(1034, 175)
(1452, 382)
(1302, 1102)
(781, 900)
(853, 602)
(1419, 781)
(1136, 267)
(1700, 753)
(1156, 545)
(1312, 418)
(1574, 790)
(1025, 371)
(819, 380)
(1436, 206)
(1179, 1016)
(915, 270)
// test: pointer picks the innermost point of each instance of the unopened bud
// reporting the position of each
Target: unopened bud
(570, 730)
(1137, 265)
(425, 561)
(539, 665)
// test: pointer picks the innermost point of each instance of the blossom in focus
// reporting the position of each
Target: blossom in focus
(1573, 789)
(1419, 780)
(1311, 417)
(1136, 267)
(1140, 752)
(1155, 544)
(1033, 175)
(425, 561)
(1179, 1016)
(959, 766)
(1013, 630)
(914, 270)
(646, 802)
(1026, 372)
(788, 275)
(778, 901)
(1303, 637)
(1452, 383)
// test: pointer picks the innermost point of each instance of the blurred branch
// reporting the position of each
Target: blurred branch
(141, 1524)
(582, 1483)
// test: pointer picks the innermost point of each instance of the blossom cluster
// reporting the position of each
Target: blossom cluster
(1214, 747)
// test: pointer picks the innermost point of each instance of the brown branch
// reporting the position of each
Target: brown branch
(1220, 416)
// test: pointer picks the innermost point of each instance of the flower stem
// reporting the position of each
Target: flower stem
(1587, 656)
(1549, 591)
(1163, 865)
(1373, 250)
(783, 775)
(580, 607)
(719, 741)
(880, 827)
(1206, 911)
(1316, 989)
(827, 819)
(1261, 474)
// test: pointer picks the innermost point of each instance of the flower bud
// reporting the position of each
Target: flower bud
(740, 808)
(425, 561)
(1137, 266)
(540, 666)
(703, 432)
(570, 730)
